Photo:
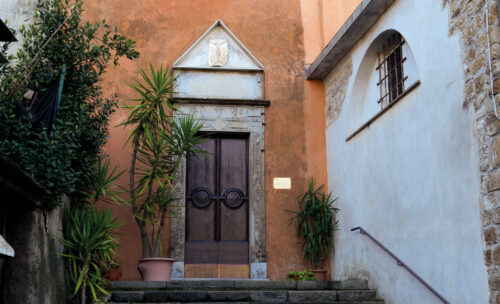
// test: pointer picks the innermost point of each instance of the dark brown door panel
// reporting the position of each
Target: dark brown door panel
(217, 203)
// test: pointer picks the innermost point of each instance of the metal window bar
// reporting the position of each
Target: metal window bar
(399, 93)
(387, 53)
(391, 70)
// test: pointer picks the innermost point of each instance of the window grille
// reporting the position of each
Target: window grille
(390, 69)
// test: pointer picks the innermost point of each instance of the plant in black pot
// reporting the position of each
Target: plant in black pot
(315, 223)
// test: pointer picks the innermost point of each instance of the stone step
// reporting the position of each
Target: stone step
(264, 296)
(335, 302)
(239, 285)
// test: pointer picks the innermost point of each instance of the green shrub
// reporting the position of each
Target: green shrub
(62, 161)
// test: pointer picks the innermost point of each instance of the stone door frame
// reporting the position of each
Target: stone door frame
(237, 119)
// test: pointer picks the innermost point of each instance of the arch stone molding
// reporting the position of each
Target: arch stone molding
(221, 84)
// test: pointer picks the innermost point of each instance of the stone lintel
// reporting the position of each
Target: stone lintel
(361, 20)
(218, 69)
(217, 101)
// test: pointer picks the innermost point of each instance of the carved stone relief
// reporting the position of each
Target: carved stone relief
(336, 93)
(217, 52)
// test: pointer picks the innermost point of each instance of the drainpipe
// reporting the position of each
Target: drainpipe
(487, 20)
(498, 7)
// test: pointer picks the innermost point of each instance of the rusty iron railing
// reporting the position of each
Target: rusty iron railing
(401, 263)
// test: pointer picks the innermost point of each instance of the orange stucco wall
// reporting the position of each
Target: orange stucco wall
(334, 14)
(275, 32)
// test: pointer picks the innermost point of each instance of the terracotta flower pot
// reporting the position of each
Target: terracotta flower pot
(156, 269)
(320, 274)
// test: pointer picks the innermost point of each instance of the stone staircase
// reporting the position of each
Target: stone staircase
(243, 291)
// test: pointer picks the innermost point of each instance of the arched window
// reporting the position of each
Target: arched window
(390, 69)
(387, 72)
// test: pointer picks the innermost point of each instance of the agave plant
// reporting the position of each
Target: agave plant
(159, 141)
(315, 223)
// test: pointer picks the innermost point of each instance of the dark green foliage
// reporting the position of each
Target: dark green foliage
(315, 223)
(63, 162)
(301, 275)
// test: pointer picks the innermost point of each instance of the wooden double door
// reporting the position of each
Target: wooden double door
(217, 207)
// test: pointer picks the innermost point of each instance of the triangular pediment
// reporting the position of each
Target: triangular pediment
(218, 48)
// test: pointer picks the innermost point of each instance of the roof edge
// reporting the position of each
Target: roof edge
(356, 26)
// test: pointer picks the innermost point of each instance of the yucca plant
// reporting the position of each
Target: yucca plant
(315, 223)
(103, 183)
(90, 240)
(90, 243)
(159, 141)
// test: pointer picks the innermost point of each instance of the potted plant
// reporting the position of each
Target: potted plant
(315, 223)
(158, 141)
(301, 275)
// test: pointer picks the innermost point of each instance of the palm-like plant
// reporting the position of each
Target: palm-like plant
(103, 183)
(315, 223)
(90, 240)
(90, 246)
(159, 141)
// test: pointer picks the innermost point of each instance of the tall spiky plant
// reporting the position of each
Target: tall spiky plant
(315, 223)
(158, 144)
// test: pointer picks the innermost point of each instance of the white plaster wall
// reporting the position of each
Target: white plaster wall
(16, 13)
(412, 178)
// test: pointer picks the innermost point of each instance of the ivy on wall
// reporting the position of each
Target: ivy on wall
(61, 161)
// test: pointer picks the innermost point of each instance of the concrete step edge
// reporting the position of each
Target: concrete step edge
(239, 296)
(239, 285)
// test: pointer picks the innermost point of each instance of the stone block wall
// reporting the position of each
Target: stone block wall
(36, 273)
(476, 21)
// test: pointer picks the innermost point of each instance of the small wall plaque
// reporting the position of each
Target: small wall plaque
(282, 183)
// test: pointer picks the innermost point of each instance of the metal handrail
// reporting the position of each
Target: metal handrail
(401, 263)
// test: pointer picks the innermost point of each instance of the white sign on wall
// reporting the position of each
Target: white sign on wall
(282, 183)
